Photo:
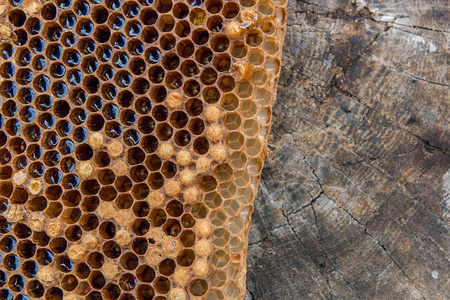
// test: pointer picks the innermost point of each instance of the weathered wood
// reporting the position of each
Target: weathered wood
(351, 203)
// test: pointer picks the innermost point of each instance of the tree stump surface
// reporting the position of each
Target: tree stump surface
(354, 200)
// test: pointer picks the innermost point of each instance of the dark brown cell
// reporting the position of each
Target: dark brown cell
(186, 258)
(127, 282)
(198, 287)
(172, 227)
(167, 267)
(183, 29)
(215, 24)
(157, 217)
(145, 274)
(230, 10)
(161, 285)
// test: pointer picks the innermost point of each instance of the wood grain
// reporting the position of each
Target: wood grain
(351, 203)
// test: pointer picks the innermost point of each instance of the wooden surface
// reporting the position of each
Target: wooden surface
(354, 201)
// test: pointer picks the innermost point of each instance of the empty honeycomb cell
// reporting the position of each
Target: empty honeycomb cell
(232, 290)
(239, 49)
(215, 23)
(64, 264)
(219, 43)
(210, 95)
(254, 165)
(226, 83)
(235, 140)
(196, 126)
(198, 287)
(259, 77)
(250, 127)
(203, 55)
(162, 285)
(13, 127)
(273, 66)
(236, 244)
(270, 46)
(241, 179)
(213, 200)
(244, 195)
(218, 217)
(230, 10)
(218, 278)
(189, 68)
(227, 190)
(131, 9)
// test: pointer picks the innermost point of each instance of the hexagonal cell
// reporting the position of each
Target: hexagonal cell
(200, 36)
(232, 121)
(236, 244)
(189, 68)
(232, 290)
(265, 115)
(270, 46)
(256, 57)
(227, 190)
(183, 29)
(248, 109)
(166, 23)
(231, 206)
(218, 217)
(230, 101)
(273, 66)
(244, 195)
(186, 258)
(246, 212)
(180, 10)
(221, 237)
(208, 76)
(218, 278)
(239, 49)
(223, 172)
(226, 84)
(266, 7)
(263, 97)
(214, 6)
(199, 211)
(198, 287)
(254, 38)
(268, 26)
(238, 160)
(244, 89)
(197, 16)
(219, 43)
(208, 183)
(220, 258)
(235, 225)
(213, 200)
(230, 10)
(241, 178)
(187, 238)
(185, 48)
(235, 140)
(259, 77)
(255, 165)
(253, 147)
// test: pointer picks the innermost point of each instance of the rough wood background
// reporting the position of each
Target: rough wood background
(354, 201)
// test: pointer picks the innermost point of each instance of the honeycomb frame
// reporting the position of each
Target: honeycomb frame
(132, 138)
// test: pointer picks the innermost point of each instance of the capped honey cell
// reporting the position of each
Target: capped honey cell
(132, 137)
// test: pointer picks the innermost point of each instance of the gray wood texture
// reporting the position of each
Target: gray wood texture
(354, 200)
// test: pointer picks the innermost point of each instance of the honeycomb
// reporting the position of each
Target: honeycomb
(132, 137)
